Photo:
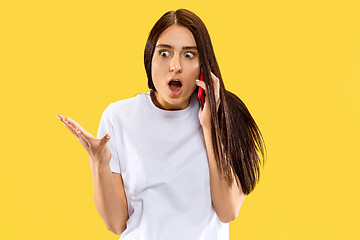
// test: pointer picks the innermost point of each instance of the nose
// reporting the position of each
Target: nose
(175, 65)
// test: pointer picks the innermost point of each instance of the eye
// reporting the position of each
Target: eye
(163, 51)
(191, 53)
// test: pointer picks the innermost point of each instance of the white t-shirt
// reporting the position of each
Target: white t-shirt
(162, 157)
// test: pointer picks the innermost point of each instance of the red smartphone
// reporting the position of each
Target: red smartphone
(201, 92)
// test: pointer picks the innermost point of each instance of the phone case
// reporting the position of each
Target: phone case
(201, 92)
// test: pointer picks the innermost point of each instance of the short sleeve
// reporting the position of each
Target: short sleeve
(106, 126)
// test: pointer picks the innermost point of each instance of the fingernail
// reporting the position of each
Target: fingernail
(79, 131)
(58, 118)
(107, 137)
(197, 80)
(66, 121)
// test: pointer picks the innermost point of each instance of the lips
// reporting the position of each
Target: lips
(175, 79)
(175, 93)
(175, 86)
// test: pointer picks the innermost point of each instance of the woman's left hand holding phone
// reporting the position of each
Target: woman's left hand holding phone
(204, 114)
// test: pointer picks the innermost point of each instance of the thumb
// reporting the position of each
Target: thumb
(105, 139)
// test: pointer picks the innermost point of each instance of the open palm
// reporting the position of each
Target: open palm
(97, 149)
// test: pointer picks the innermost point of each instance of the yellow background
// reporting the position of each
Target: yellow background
(295, 64)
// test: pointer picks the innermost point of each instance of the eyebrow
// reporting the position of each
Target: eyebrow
(171, 47)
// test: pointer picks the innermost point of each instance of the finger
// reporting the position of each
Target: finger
(78, 128)
(202, 85)
(60, 117)
(105, 139)
(216, 83)
(72, 130)
(84, 136)
(215, 80)
(77, 131)
(68, 125)
(81, 131)
(205, 104)
(213, 75)
(72, 122)
(206, 101)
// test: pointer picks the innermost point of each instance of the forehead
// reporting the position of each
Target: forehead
(177, 36)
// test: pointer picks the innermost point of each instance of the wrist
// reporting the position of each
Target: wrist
(98, 165)
(206, 129)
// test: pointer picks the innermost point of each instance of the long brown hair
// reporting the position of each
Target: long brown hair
(236, 137)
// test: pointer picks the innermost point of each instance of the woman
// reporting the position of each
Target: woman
(163, 167)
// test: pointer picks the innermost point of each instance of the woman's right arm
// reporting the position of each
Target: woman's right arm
(109, 197)
(108, 187)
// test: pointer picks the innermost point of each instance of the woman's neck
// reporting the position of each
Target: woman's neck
(153, 95)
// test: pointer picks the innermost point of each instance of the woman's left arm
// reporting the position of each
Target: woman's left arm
(227, 200)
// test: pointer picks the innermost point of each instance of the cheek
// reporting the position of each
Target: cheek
(157, 70)
(196, 63)
(192, 65)
(158, 65)
(193, 68)
(154, 67)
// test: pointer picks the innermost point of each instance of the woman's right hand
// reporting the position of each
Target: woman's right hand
(97, 149)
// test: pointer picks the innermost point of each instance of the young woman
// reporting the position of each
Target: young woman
(163, 166)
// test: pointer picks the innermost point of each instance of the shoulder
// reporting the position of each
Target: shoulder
(123, 103)
(124, 106)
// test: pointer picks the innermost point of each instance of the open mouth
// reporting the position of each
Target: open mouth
(175, 87)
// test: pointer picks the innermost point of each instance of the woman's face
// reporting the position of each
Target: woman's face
(175, 56)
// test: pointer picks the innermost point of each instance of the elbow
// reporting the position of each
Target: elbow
(117, 231)
(234, 216)
(229, 218)
(226, 220)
